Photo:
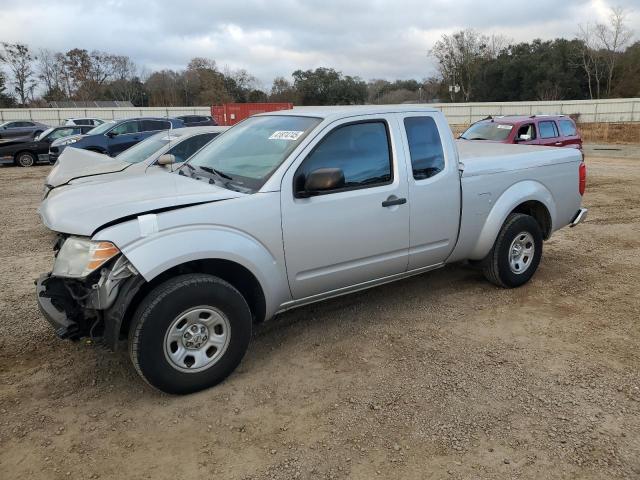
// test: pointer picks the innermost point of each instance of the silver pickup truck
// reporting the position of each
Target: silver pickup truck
(285, 209)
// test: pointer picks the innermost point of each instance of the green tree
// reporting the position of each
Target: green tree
(325, 86)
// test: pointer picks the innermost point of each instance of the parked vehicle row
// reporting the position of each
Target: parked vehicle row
(27, 152)
(284, 209)
(162, 150)
(27, 148)
(115, 136)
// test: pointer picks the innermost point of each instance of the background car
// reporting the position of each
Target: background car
(197, 120)
(548, 130)
(21, 128)
(80, 166)
(26, 152)
(83, 121)
(115, 136)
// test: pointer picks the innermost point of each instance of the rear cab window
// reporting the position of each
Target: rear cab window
(425, 147)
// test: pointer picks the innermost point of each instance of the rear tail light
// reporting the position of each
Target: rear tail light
(582, 175)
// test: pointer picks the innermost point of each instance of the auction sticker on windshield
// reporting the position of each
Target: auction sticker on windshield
(505, 127)
(286, 135)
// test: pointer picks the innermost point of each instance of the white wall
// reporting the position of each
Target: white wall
(56, 116)
(608, 111)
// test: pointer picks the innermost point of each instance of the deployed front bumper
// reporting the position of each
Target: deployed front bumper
(58, 319)
(92, 307)
(67, 319)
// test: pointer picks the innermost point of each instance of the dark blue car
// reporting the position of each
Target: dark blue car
(114, 136)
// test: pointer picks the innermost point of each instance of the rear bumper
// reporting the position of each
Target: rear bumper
(580, 217)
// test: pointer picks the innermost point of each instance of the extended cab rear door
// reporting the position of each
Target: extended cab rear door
(346, 237)
(434, 188)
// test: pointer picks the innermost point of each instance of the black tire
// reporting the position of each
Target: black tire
(157, 313)
(25, 159)
(496, 266)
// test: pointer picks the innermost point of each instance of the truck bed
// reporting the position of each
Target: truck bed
(480, 157)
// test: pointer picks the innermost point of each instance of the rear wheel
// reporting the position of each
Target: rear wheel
(189, 333)
(516, 254)
(25, 159)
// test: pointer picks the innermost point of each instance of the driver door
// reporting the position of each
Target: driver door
(346, 237)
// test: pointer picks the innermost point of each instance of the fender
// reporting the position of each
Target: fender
(162, 251)
(512, 197)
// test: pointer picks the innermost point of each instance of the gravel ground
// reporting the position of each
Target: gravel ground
(438, 376)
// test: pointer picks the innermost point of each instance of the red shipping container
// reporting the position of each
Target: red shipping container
(232, 113)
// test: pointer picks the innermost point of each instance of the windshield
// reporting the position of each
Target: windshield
(488, 131)
(249, 153)
(146, 148)
(44, 134)
(101, 128)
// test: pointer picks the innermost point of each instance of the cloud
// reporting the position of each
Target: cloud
(371, 39)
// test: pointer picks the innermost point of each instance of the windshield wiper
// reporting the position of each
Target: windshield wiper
(215, 172)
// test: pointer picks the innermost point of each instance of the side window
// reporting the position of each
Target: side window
(185, 149)
(360, 150)
(548, 129)
(425, 147)
(567, 128)
(527, 132)
(126, 127)
(153, 125)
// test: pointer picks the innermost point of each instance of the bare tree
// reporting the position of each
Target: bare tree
(613, 38)
(460, 55)
(50, 69)
(590, 59)
(20, 61)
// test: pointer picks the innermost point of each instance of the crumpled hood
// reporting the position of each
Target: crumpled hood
(83, 208)
(77, 163)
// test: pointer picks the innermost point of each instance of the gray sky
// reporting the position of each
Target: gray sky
(368, 38)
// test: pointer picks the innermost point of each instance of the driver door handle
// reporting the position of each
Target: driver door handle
(392, 200)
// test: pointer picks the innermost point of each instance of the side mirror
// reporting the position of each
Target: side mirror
(523, 138)
(112, 134)
(322, 180)
(166, 159)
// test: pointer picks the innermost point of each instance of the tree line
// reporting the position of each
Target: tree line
(600, 62)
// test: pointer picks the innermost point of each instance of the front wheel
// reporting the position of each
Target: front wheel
(189, 333)
(516, 253)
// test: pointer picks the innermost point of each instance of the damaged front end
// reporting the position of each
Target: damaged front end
(92, 305)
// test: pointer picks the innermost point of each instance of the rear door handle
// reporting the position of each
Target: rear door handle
(392, 200)
(558, 143)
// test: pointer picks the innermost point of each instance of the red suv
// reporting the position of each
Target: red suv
(548, 130)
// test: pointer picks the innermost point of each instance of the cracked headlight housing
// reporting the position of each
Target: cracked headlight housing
(78, 257)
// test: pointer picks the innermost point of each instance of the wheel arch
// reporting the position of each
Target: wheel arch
(528, 197)
(230, 254)
(241, 278)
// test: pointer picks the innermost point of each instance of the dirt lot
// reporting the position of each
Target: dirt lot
(438, 376)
